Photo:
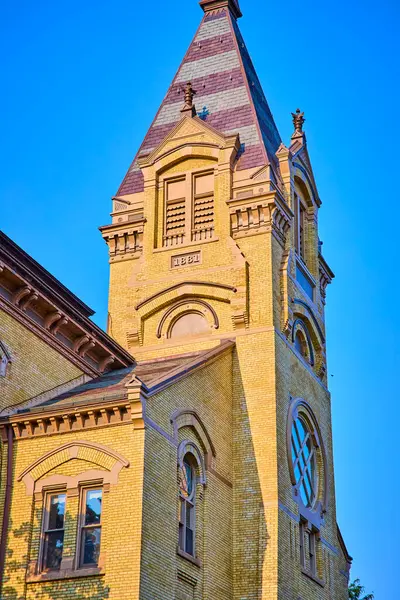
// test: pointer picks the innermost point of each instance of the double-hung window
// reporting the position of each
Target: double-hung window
(308, 548)
(53, 531)
(187, 506)
(90, 527)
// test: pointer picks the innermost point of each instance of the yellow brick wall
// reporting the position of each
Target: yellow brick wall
(35, 367)
(209, 393)
(122, 521)
(265, 538)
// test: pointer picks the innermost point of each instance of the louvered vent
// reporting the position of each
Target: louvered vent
(203, 207)
(175, 209)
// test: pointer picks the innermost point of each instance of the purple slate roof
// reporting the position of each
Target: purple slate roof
(229, 97)
(112, 385)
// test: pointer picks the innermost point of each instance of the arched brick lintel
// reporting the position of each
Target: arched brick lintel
(107, 459)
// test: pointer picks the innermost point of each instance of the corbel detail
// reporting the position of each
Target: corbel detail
(267, 212)
(106, 362)
(21, 293)
(124, 240)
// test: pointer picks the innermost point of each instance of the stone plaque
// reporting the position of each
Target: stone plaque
(186, 260)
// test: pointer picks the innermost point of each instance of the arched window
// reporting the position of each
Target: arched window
(187, 504)
(300, 343)
(191, 476)
(191, 323)
(307, 460)
(304, 462)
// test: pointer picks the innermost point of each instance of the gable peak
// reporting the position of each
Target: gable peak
(233, 5)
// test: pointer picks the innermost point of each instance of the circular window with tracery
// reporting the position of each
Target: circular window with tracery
(306, 456)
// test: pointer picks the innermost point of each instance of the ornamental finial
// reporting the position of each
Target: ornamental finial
(232, 5)
(189, 94)
(298, 122)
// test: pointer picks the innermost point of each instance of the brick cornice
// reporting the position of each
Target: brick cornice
(66, 419)
(45, 307)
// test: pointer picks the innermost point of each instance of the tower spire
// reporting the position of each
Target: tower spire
(233, 5)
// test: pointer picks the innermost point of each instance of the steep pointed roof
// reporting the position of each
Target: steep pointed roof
(229, 95)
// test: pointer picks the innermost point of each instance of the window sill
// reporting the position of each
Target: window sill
(184, 246)
(189, 557)
(313, 577)
(65, 574)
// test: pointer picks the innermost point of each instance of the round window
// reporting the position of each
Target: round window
(304, 462)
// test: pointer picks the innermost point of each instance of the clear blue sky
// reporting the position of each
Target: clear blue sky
(81, 82)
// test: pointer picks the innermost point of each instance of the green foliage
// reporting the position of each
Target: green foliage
(356, 591)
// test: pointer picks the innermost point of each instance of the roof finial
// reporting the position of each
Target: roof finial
(298, 122)
(189, 107)
(233, 5)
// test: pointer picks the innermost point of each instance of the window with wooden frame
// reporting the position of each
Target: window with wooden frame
(309, 537)
(188, 209)
(53, 531)
(187, 505)
(89, 534)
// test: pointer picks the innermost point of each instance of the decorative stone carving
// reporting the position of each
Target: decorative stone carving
(239, 319)
(325, 277)
(23, 291)
(124, 240)
(189, 108)
(298, 122)
(133, 338)
(267, 212)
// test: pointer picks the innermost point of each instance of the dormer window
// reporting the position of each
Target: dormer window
(189, 209)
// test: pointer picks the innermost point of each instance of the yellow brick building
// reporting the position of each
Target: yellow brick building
(203, 469)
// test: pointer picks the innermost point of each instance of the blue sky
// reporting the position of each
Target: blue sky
(82, 82)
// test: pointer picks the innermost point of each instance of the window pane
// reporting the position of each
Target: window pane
(56, 512)
(186, 480)
(189, 516)
(181, 536)
(304, 496)
(189, 542)
(93, 507)
(53, 547)
(301, 429)
(91, 546)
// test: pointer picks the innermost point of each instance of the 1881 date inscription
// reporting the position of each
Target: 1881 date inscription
(186, 260)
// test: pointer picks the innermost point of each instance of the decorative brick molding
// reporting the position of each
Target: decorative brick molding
(174, 298)
(57, 420)
(124, 240)
(111, 463)
(183, 307)
(189, 418)
(267, 212)
(325, 276)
